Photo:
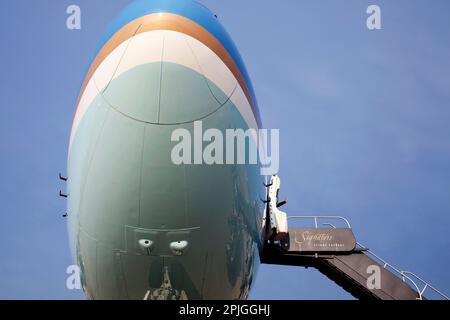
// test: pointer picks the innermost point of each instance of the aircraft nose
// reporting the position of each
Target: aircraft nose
(165, 77)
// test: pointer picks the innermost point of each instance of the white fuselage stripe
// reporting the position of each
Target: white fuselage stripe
(166, 46)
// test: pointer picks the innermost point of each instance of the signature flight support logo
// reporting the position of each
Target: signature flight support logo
(319, 240)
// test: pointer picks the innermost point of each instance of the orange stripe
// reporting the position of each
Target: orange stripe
(173, 22)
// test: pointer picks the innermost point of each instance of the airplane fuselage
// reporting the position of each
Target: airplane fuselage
(140, 225)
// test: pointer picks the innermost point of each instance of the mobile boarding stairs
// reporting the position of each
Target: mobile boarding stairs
(335, 252)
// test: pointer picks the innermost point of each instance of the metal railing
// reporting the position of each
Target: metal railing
(412, 278)
(407, 275)
(415, 281)
(318, 218)
(426, 286)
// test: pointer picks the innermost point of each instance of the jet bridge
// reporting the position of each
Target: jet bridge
(329, 245)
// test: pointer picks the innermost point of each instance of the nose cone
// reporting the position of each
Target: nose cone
(138, 222)
(164, 77)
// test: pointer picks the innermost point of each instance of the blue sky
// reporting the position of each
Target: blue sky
(364, 118)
